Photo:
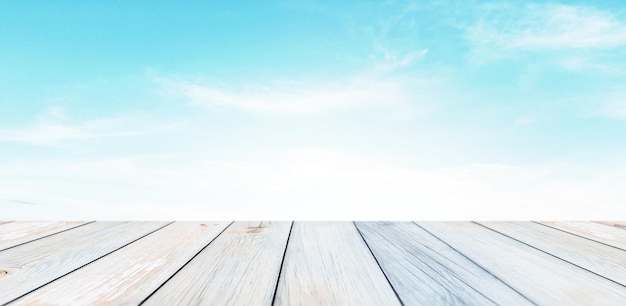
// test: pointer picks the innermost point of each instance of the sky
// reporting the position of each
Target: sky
(312, 110)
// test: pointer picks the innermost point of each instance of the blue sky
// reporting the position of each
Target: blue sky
(313, 110)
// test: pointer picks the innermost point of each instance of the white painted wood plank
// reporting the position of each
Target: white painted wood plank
(542, 278)
(328, 263)
(618, 224)
(426, 271)
(599, 232)
(15, 233)
(5, 222)
(593, 256)
(131, 274)
(240, 267)
(36, 263)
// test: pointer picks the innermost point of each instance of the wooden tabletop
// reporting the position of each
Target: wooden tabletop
(312, 263)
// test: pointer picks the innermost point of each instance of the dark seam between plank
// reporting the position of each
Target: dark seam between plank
(378, 263)
(282, 263)
(29, 241)
(614, 225)
(420, 269)
(183, 266)
(115, 250)
(456, 276)
(478, 265)
(538, 249)
(565, 231)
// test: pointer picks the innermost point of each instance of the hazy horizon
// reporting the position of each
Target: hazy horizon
(424, 110)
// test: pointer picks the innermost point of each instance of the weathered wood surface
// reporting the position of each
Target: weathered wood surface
(16, 233)
(240, 267)
(314, 263)
(328, 263)
(542, 278)
(426, 271)
(591, 230)
(32, 265)
(618, 224)
(129, 275)
(595, 257)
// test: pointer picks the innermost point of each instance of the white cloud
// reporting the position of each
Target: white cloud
(294, 97)
(524, 120)
(393, 60)
(44, 134)
(615, 108)
(581, 64)
(540, 27)
(610, 104)
(304, 184)
(51, 127)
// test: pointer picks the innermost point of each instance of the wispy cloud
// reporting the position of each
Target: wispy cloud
(292, 97)
(52, 127)
(582, 64)
(21, 202)
(394, 60)
(384, 79)
(524, 120)
(547, 27)
(615, 108)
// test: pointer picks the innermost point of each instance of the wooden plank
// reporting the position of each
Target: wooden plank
(426, 271)
(593, 256)
(5, 222)
(16, 233)
(618, 224)
(542, 278)
(130, 275)
(599, 232)
(34, 264)
(240, 267)
(328, 263)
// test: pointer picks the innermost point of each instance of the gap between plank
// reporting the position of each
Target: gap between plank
(67, 229)
(558, 229)
(488, 272)
(614, 225)
(280, 270)
(379, 266)
(538, 249)
(29, 292)
(451, 272)
(188, 261)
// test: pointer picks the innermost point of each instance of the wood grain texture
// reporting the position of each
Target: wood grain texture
(131, 274)
(426, 271)
(328, 263)
(618, 224)
(593, 256)
(542, 278)
(31, 265)
(15, 233)
(240, 267)
(594, 231)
